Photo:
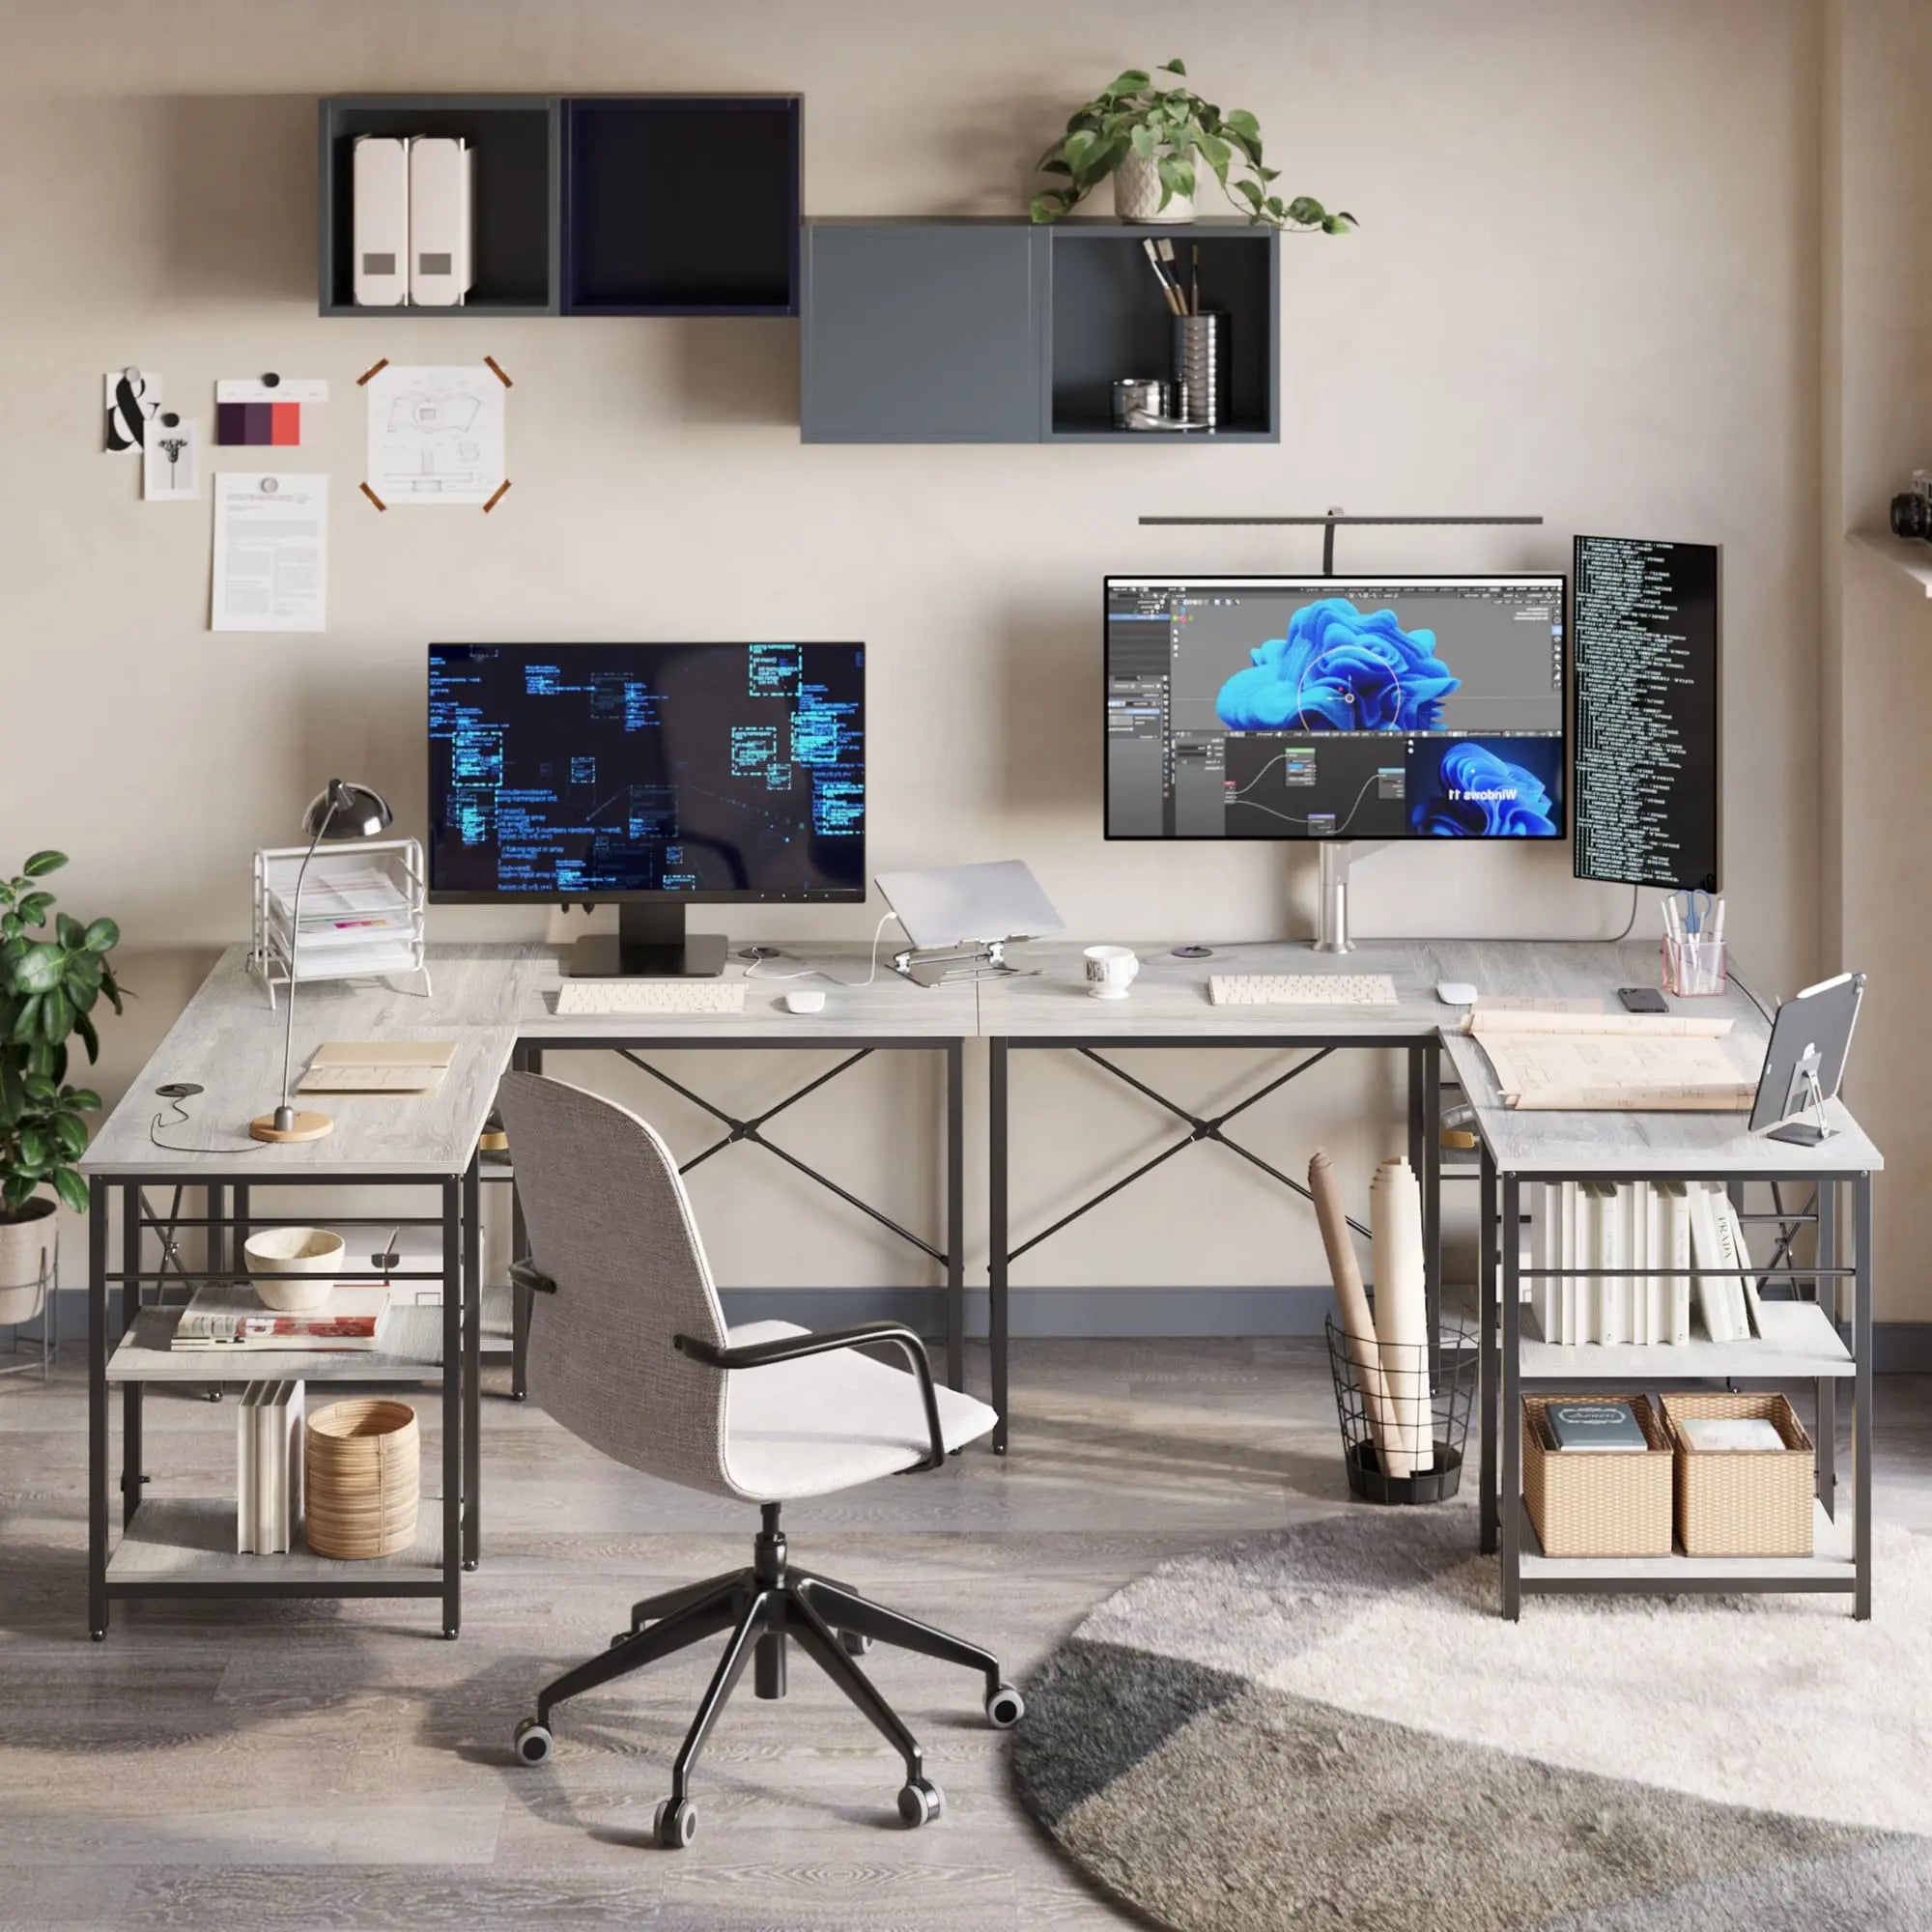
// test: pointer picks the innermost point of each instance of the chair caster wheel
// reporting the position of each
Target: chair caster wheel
(920, 1802)
(676, 1824)
(533, 1742)
(854, 1643)
(1004, 1708)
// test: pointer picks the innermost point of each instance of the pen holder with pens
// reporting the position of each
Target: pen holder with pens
(1693, 965)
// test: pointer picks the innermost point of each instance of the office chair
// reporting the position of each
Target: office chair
(629, 1350)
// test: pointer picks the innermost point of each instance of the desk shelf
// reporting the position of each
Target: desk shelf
(1799, 1344)
(186, 1544)
(412, 1353)
(1831, 1565)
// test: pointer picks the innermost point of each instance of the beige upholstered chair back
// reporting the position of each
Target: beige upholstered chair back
(610, 1224)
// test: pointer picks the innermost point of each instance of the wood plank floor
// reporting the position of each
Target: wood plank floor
(341, 1766)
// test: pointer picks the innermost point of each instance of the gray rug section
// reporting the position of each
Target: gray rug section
(1093, 1711)
(1211, 1804)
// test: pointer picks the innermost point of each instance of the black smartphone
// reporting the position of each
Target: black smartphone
(1642, 1000)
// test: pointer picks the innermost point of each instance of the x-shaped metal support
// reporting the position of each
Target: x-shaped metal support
(1201, 1127)
(752, 1131)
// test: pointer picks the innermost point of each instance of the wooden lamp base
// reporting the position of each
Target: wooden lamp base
(308, 1127)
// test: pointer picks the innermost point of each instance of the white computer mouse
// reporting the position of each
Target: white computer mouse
(804, 1002)
(1456, 992)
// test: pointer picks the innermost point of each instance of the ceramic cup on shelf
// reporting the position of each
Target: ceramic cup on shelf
(292, 1269)
(1110, 971)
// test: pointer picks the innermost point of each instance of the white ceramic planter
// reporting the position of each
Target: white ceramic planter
(292, 1269)
(1137, 192)
(26, 1254)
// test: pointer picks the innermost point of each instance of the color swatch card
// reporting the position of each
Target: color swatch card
(266, 414)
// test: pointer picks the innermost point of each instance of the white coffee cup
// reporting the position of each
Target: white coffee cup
(1110, 971)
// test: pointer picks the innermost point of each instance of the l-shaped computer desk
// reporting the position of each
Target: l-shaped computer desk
(498, 1003)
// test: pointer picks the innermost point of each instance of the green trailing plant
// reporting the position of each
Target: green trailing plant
(1154, 117)
(52, 978)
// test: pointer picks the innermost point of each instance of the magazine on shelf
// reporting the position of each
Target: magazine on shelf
(225, 1317)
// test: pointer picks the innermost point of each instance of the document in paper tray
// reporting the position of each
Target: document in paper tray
(1616, 1073)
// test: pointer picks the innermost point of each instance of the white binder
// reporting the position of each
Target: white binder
(380, 185)
(440, 183)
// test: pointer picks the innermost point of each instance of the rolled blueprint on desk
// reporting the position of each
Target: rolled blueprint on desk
(1402, 1311)
(1351, 1302)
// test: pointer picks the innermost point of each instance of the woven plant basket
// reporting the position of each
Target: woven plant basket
(362, 1477)
(1752, 1502)
(1597, 1504)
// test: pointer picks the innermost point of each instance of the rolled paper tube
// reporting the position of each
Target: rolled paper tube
(1351, 1302)
(1401, 1313)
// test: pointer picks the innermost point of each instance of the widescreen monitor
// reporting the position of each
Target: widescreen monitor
(654, 776)
(1335, 707)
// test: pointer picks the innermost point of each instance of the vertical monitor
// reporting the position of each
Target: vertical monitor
(1648, 775)
(1335, 707)
(617, 772)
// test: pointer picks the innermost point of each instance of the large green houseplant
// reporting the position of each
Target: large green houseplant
(1146, 129)
(53, 972)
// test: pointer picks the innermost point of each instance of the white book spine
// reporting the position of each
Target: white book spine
(1714, 1301)
(1547, 1249)
(295, 1436)
(380, 221)
(1569, 1191)
(1732, 1230)
(267, 1422)
(1614, 1257)
(1677, 1247)
(245, 1468)
(1589, 1224)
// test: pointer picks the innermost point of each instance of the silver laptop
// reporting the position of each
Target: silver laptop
(959, 918)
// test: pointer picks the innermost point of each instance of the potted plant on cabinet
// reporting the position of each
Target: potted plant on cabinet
(50, 981)
(1147, 131)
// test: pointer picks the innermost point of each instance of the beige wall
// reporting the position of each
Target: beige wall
(1878, 661)
(1586, 285)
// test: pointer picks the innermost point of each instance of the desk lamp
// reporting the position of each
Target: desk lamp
(339, 813)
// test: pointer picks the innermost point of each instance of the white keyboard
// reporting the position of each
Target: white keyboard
(651, 996)
(1301, 989)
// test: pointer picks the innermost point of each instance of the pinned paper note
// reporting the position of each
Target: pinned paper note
(271, 552)
(129, 399)
(171, 461)
(267, 412)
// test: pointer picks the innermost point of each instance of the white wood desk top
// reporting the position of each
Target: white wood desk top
(891, 1007)
(1049, 995)
(229, 1041)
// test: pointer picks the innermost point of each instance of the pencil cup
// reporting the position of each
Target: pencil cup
(1201, 368)
(1694, 966)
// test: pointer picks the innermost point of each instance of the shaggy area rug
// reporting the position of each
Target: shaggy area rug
(1331, 1727)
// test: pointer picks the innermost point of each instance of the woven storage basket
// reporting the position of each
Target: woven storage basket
(360, 1475)
(1600, 1503)
(1750, 1502)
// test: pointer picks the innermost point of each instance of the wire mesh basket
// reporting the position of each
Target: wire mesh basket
(1404, 1412)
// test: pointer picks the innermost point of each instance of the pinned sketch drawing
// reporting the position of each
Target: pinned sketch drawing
(170, 462)
(435, 435)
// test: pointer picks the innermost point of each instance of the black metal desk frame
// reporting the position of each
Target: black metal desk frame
(227, 1229)
(1422, 1052)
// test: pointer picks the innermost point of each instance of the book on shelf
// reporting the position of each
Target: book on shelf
(269, 1467)
(1749, 1434)
(1722, 1299)
(1674, 1253)
(229, 1317)
(1596, 1244)
(1594, 1428)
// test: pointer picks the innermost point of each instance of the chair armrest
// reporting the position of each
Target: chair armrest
(823, 1341)
(527, 1275)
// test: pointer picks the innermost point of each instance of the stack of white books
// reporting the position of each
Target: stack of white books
(268, 1468)
(1603, 1239)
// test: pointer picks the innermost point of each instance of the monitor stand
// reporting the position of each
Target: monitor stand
(651, 943)
(1332, 898)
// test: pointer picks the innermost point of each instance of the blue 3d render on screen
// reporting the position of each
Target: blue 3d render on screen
(1335, 707)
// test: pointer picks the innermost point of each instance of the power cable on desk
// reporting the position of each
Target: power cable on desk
(755, 970)
(175, 1093)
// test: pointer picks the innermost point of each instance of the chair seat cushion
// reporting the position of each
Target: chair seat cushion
(830, 1421)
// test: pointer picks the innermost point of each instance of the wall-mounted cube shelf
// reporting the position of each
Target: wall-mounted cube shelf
(596, 204)
(998, 330)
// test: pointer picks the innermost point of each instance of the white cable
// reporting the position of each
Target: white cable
(755, 970)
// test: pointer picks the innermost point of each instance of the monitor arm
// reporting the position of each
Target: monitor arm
(1335, 855)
